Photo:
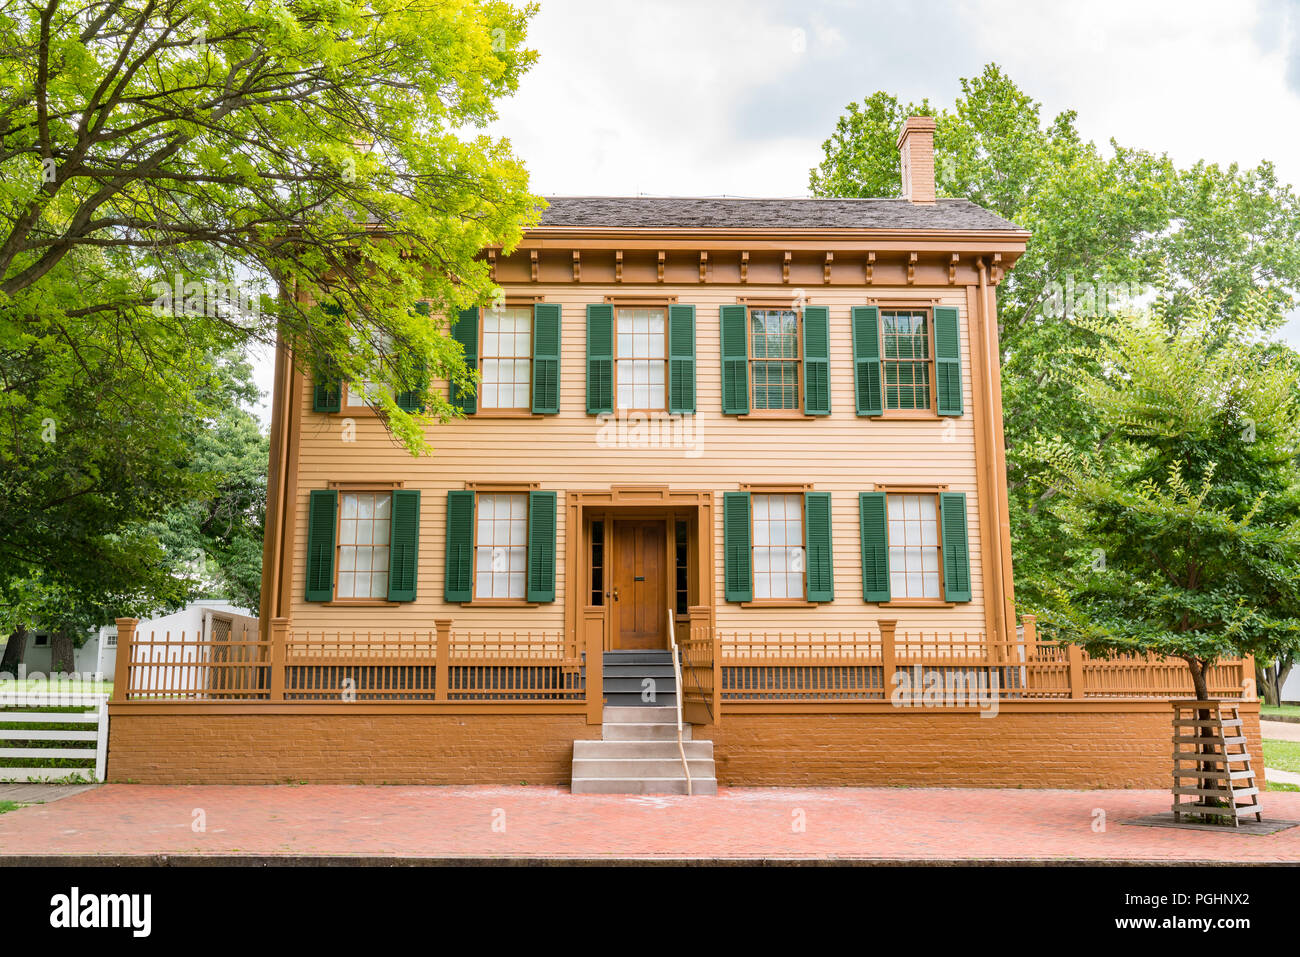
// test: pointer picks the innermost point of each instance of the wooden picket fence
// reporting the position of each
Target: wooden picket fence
(29, 752)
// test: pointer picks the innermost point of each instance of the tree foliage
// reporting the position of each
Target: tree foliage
(1184, 528)
(1122, 220)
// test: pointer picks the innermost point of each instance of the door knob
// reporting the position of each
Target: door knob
(616, 593)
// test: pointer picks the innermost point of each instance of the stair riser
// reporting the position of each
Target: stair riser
(695, 750)
(616, 786)
(638, 672)
(642, 732)
(639, 767)
(641, 714)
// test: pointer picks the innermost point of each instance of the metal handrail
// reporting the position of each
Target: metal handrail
(677, 675)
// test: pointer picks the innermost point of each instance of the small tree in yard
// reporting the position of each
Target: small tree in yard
(1184, 522)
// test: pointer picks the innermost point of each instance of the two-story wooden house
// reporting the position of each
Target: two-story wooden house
(765, 432)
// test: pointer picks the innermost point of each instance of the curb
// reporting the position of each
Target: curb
(288, 860)
(1285, 718)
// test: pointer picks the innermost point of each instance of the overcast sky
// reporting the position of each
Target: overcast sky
(735, 97)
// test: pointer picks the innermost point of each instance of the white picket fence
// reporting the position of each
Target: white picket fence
(93, 726)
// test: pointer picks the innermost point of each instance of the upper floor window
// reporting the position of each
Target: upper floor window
(501, 543)
(907, 360)
(507, 358)
(642, 358)
(778, 546)
(914, 546)
(365, 392)
(774, 359)
(364, 522)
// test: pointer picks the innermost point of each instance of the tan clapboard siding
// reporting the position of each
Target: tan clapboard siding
(841, 453)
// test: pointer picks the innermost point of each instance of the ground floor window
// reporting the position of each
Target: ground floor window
(914, 546)
(778, 546)
(501, 543)
(364, 522)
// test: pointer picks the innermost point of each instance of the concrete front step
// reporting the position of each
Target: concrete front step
(641, 767)
(645, 713)
(642, 731)
(669, 785)
(642, 749)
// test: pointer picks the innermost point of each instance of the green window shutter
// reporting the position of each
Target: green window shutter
(956, 551)
(327, 392)
(320, 544)
(459, 584)
(600, 358)
(738, 557)
(947, 360)
(681, 359)
(733, 322)
(465, 331)
(412, 399)
(816, 361)
(867, 389)
(546, 358)
(541, 546)
(817, 537)
(404, 544)
(875, 546)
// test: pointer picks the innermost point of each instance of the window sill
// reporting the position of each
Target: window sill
(780, 603)
(499, 603)
(917, 603)
(788, 414)
(509, 415)
(911, 416)
(361, 603)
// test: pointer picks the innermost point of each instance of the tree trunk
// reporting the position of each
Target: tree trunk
(1198, 678)
(61, 652)
(1270, 688)
(14, 651)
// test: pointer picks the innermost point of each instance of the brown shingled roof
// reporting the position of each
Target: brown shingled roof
(690, 212)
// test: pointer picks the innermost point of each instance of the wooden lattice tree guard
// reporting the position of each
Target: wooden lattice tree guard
(1211, 755)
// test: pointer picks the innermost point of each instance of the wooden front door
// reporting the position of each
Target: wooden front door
(640, 596)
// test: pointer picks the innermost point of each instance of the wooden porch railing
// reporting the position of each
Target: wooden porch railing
(444, 665)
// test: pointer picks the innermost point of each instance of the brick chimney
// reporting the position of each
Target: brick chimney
(916, 151)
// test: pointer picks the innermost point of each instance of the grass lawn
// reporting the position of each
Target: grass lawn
(1282, 755)
(1291, 710)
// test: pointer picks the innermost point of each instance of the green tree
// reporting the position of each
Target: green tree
(177, 177)
(1099, 222)
(1184, 528)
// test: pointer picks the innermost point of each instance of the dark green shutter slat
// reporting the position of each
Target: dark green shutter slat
(867, 390)
(816, 361)
(681, 359)
(817, 538)
(947, 360)
(404, 545)
(875, 546)
(600, 358)
(412, 399)
(327, 393)
(465, 331)
(541, 546)
(546, 358)
(733, 322)
(738, 558)
(321, 513)
(459, 584)
(956, 551)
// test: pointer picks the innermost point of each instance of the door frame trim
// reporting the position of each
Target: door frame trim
(628, 501)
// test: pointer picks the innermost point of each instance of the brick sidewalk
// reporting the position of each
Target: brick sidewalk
(549, 823)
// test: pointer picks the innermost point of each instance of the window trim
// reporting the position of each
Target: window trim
(754, 412)
(799, 490)
(933, 490)
(932, 412)
(526, 411)
(498, 488)
(640, 305)
(353, 488)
